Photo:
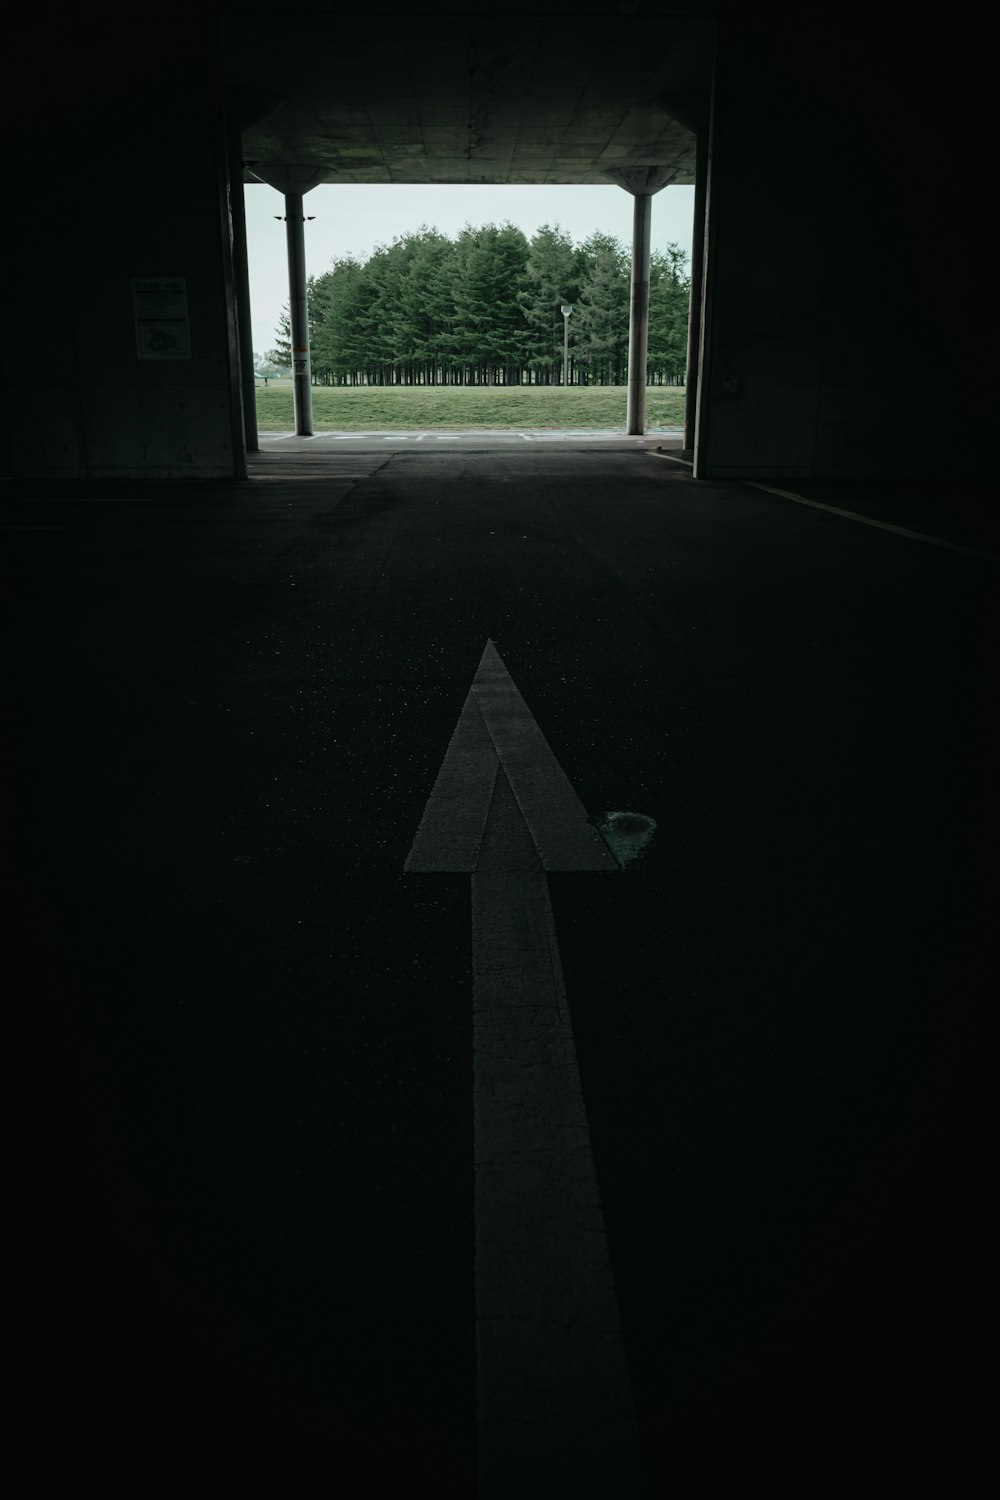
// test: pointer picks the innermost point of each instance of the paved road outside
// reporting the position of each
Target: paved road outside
(250, 1141)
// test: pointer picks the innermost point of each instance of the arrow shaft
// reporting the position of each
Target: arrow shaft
(555, 1407)
(555, 1410)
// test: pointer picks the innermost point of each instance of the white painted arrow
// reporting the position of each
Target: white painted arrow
(555, 1408)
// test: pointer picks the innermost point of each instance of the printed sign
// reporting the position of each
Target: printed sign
(162, 330)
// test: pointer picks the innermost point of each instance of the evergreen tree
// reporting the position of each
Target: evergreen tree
(508, 340)
(669, 296)
(427, 306)
(376, 307)
(486, 307)
(600, 339)
(553, 277)
(283, 332)
(489, 326)
(316, 307)
(282, 350)
(338, 347)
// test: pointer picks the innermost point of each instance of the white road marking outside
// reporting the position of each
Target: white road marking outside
(555, 1407)
(480, 435)
(853, 515)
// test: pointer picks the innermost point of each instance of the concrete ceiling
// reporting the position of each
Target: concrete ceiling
(502, 98)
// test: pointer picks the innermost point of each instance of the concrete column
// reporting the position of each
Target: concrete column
(242, 275)
(236, 413)
(697, 281)
(691, 108)
(293, 182)
(642, 183)
(638, 321)
(298, 313)
(245, 107)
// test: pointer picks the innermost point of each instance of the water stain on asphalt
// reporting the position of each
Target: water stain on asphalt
(627, 834)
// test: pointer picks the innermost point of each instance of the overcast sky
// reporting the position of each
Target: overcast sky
(354, 218)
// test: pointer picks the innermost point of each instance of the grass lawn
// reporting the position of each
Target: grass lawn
(380, 408)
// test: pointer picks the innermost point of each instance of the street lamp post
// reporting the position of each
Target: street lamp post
(566, 308)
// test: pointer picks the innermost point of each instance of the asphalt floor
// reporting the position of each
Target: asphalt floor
(247, 1146)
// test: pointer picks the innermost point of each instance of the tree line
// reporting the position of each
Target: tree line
(484, 309)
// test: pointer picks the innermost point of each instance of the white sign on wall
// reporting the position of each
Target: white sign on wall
(162, 329)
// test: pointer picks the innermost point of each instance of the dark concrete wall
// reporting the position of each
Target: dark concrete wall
(836, 347)
(120, 182)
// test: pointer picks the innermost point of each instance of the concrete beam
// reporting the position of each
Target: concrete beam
(689, 107)
(642, 179)
(288, 177)
(248, 106)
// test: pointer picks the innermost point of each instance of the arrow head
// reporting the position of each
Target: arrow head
(495, 732)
